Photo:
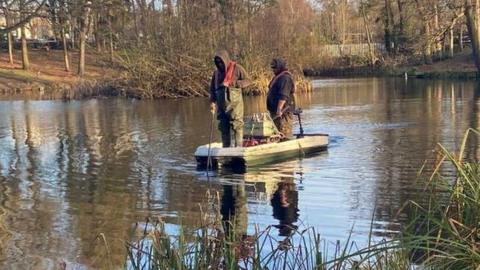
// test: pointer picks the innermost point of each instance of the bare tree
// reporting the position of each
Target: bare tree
(59, 18)
(472, 13)
(5, 8)
(29, 9)
(84, 25)
(25, 11)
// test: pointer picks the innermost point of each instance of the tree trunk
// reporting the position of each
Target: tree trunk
(460, 38)
(83, 37)
(65, 50)
(111, 38)
(369, 40)
(234, 29)
(388, 20)
(96, 32)
(427, 54)
(135, 22)
(25, 61)
(81, 62)
(249, 27)
(438, 50)
(344, 23)
(142, 6)
(401, 25)
(450, 45)
(9, 40)
(73, 37)
(472, 14)
(332, 24)
(10, 48)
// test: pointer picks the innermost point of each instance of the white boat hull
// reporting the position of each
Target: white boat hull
(260, 154)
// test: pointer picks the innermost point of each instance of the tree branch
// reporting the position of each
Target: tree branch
(23, 21)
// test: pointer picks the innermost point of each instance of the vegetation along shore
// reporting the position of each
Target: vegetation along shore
(165, 51)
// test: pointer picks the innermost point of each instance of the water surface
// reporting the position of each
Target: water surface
(71, 171)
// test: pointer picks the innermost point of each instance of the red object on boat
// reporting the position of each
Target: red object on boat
(250, 142)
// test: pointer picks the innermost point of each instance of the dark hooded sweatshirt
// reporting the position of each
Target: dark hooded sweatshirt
(239, 80)
(282, 87)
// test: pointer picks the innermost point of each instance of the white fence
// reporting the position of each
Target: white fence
(360, 49)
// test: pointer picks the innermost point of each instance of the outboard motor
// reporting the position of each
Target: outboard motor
(297, 112)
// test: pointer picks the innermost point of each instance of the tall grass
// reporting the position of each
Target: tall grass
(149, 75)
(217, 244)
(442, 232)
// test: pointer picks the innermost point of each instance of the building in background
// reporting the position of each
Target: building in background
(37, 28)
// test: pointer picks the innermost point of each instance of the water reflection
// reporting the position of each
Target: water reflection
(234, 210)
(285, 206)
(72, 170)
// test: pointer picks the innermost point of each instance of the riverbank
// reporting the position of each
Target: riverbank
(131, 75)
(461, 66)
(47, 78)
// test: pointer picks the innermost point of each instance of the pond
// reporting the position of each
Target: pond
(71, 171)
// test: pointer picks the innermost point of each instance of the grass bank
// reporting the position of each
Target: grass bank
(461, 66)
(442, 232)
(47, 78)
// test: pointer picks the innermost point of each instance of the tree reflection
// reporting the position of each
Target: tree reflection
(473, 151)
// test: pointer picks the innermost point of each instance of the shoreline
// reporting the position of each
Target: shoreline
(461, 66)
(47, 81)
(107, 88)
(365, 71)
(57, 91)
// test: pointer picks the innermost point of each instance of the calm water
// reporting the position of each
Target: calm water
(70, 171)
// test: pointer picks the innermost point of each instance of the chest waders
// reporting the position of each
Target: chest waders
(230, 115)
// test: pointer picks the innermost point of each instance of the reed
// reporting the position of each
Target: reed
(150, 76)
(216, 244)
(444, 231)
(211, 248)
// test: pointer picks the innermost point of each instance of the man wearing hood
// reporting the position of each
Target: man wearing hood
(226, 97)
(280, 97)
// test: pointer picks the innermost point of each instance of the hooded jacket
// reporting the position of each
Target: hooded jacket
(281, 87)
(239, 77)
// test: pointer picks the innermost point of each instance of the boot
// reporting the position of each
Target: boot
(239, 138)
(226, 139)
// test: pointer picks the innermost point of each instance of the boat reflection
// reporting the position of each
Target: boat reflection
(275, 188)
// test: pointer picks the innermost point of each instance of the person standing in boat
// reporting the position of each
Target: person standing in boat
(280, 97)
(226, 97)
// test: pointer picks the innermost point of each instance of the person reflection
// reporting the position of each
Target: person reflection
(285, 206)
(234, 211)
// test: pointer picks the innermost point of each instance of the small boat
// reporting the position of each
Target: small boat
(303, 144)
